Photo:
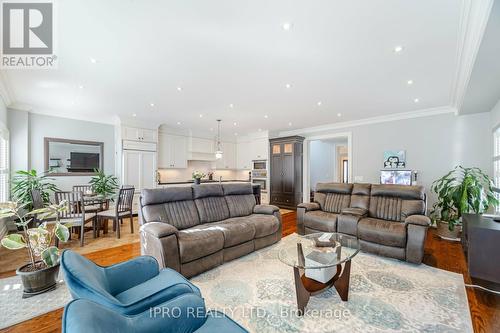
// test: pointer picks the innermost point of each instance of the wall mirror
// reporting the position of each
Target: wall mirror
(64, 157)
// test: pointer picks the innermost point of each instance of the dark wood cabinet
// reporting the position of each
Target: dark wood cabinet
(286, 171)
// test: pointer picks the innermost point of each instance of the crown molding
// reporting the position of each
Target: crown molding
(475, 15)
(372, 120)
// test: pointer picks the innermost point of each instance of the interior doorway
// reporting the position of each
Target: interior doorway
(327, 159)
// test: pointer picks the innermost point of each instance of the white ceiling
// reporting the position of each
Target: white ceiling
(225, 52)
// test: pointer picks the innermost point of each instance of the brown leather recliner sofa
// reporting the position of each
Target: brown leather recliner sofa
(193, 229)
(388, 220)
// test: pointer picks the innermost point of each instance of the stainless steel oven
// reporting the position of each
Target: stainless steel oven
(259, 169)
(261, 182)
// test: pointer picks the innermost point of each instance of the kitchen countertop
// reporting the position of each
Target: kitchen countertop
(203, 181)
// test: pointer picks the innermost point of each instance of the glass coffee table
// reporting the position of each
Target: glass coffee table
(320, 261)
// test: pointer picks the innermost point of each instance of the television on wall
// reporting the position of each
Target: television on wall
(83, 162)
(399, 177)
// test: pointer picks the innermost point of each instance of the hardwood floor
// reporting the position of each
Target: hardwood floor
(485, 307)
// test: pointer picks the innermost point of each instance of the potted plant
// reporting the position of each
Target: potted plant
(40, 274)
(25, 181)
(460, 191)
(102, 184)
(197, 176)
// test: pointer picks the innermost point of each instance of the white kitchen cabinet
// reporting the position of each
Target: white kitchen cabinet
(139, 169)
(260, 149)
(200, 145)
(244, 155)
(228, 160)
(172, 152)
(139, 134)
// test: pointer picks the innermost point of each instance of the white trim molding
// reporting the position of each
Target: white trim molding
(306, 159)
(372, 120)
(475, 15)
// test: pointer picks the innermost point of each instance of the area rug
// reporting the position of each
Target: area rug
(14, 309)
(385, 296)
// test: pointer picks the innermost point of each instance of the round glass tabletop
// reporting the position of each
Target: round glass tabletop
(320, 250)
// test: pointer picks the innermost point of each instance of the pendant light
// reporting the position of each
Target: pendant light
(218, 148)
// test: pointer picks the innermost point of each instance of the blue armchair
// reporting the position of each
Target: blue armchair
(129, 288)
(183, 314)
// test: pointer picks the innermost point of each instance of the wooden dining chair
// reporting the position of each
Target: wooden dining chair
(76, 215)
(36, 198)
(90, 206)
(122, 209)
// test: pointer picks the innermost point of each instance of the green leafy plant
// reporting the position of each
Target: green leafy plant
(104, 185)
(460, 191)
(198, 175)
(36, 240)
(25, 181)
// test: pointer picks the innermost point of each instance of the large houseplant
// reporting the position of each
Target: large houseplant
(460, 191)
(40, 274)
(102, 184)
(25, 181)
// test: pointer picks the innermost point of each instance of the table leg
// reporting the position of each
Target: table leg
(342, 284)
(302, 294)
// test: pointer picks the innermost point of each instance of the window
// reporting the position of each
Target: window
(4, 163)
(496, 161)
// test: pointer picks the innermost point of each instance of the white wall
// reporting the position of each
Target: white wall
(323, 161)
(433, 145)
(3, 111)
(495, 115)
(33, 128)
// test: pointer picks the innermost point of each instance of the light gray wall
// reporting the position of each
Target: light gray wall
(322, 165)
(3, 112)
(31, 129)
(495, 115)
(18, 124)
(433, 145)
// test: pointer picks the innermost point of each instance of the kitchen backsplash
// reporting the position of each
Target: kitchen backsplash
(180, 175)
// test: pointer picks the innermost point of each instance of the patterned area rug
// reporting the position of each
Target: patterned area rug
(14, 309)
(385, 296)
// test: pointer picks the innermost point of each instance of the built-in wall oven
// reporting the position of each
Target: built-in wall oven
(259, 177)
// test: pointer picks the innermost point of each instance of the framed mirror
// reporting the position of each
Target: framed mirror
(65, 157)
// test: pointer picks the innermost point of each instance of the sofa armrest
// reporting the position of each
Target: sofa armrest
(137, 271)
(159, 240)
(418, 220)
(355, 211)
(265, 209)
(159, 229)
(308, 206)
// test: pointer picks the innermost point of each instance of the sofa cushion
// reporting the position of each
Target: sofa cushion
(263, 224)
(162, 195)
(235, 232)
(320, 220)
(382, 232)
(180, 214)
(210, 202)
(240, 204)
(198, 242)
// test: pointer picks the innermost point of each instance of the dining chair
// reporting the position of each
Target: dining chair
(36, 198)
(90, 206)
(76, 215)
(122, 209)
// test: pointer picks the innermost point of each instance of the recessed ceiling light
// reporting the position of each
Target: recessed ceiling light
(201, 116)
(152, 105)
(410, 82)
(288, 86)
(93, 60)
(265, 116)
(178, 123)
(134, 115)
(231, 105)
(319, 103)
(179, 88)
(260, 129)
(289, 124)
(416, 100)
(286, 26)
(211, 128)
(339, 114)
(236, 134)
(81, 86)
(235, 124)
(398, 49)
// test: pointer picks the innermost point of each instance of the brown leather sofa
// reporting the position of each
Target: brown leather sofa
(193, 229)
(388, 220)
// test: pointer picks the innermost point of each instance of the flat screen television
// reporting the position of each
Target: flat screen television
(83, 162)
(400, 177)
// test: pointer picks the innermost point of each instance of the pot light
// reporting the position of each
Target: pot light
(235, 124)
(81, 86)
(266, 116)
(134, 115)
(93, 60)
(152, 105)
(178, 123)
(410, 82)
(416, 100)
(319, 103)
(339, 114)
(398, 49)
(236, 134)
(231, 105)
(260, 129)
(289, 124)
(286, 26)
(179, 88)
(288, 86)
(201, 116)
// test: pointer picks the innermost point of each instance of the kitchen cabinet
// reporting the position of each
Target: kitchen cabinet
(259, 149)
(200, 145)
(139, 134)
(286, 171)
(139, 169)
(244, 156)
(228, 160)
(172, 151)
